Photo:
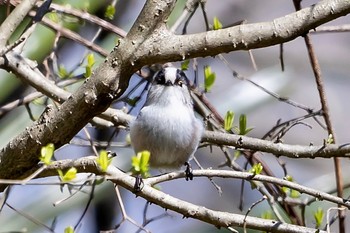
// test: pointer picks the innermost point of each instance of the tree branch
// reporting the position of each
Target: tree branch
(58, 126)
(249, 176)
(88, 164)
(147, 42)
(163, 47)
(278, 149)
(217, 218)
(13, 20)
(25, 71)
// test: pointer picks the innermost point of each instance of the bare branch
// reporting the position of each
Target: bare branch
(75, 37)
(32, 96)
(328, 29)
(13, 20)
(216, 218)
(241, 37)
(88, 17)
(145, 44)
(249, 176)
(279, 149)
(89, 165)
(92, 98)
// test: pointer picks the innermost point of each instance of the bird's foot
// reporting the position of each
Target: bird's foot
(188, 171)
(138, 183)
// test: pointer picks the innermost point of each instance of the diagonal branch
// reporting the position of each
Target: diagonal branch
(241, 37)
(59, 126)
(216, 218)
(147, 43)
(13, 20)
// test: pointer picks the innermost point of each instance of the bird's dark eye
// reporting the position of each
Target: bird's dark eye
(181, 78)
(160, 78)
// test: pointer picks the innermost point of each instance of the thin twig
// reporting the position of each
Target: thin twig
(217, 187)
(331, 29)
(30, 218)
(91, 196)
(326, 114)
(249, 176)
(250, 209)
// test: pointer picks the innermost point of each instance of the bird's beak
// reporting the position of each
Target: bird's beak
(168, 83)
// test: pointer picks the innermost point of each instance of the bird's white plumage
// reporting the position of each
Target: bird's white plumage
(166, 125)
(170, 74)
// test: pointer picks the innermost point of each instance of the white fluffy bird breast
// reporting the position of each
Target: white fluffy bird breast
(166, 125)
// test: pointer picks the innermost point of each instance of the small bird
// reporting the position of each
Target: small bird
(166, 125)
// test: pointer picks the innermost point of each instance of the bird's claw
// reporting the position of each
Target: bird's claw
(188, 171)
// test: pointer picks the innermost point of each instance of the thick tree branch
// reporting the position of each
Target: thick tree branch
(58, 126)
(148, 42)
(89, 165)
(217, 218)
(25, 69)
(167, 46)
(32, 76)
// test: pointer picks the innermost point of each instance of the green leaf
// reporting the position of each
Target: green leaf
(144, 160)
(256, 169)
(330, 139)
(53, 16)
(90, 59)
(217, 24)
(285, 190)
(252, 185)
(39, 101)
(290, 192)
(185, 64)
(69, 230)
(243, 130)
(103, 160)
(87, 71)
(237, 154)
(228, 121)
(90, 63)
(69, 175)
(110, 11)
(135, 164)
(289, 178)
(140, 164)
(267, 215)
(132, 102)
(294, 193)
(62, 72)
(319, 215)
(46, 153)
(209, 78)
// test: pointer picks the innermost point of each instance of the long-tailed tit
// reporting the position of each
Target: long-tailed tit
(166, 125)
